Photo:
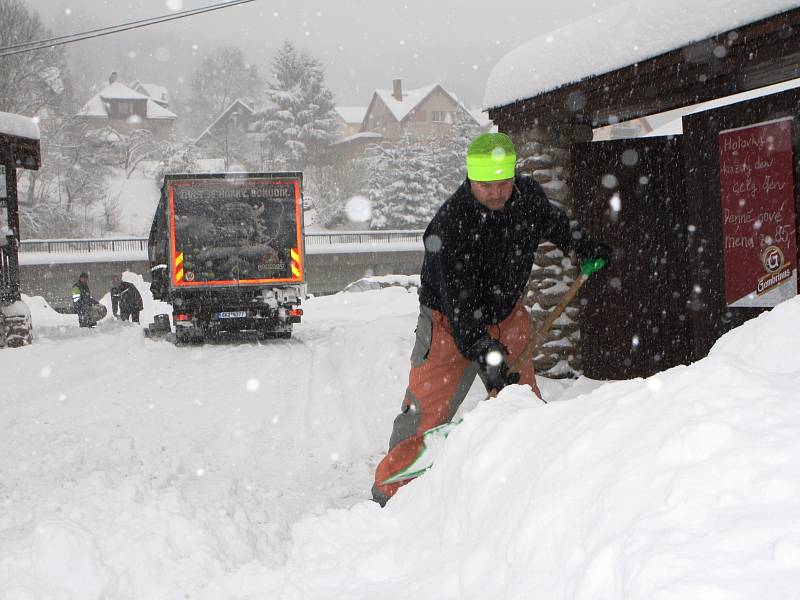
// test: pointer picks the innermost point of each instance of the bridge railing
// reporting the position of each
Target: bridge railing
(134, 244)
(84, 245)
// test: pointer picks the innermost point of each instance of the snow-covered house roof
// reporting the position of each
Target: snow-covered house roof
(19, 126)
(97, 106)
(403, 110)
(625, 34)
(352, 115)
(156, 92)
(411, 99)
(237, 104)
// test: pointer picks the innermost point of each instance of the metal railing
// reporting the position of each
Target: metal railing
(84, 245)
(364, 237)
(140, 244)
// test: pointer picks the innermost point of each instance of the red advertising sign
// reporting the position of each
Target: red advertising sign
(758, 213)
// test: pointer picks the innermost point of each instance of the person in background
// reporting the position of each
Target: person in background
(83, 302)
(479, 252)
(126, 301)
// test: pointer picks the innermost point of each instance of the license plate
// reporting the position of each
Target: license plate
(235, 314)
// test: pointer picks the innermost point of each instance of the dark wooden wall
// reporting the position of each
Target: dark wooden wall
(629, 193)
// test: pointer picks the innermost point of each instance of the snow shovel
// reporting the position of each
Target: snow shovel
(588, 268)
(433, 439)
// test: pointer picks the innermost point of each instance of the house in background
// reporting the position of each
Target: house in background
(349, 119)
(231, 137)
(124, 110)
(422, 111)
(157, 92)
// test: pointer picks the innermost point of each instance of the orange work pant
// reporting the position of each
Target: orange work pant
(439, 380)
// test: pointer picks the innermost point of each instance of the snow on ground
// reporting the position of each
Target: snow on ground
(134, 469)
(136, 199)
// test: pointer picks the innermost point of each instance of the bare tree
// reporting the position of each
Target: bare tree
(32, 80)
(222, 77)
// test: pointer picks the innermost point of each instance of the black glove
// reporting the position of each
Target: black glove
(491, 356)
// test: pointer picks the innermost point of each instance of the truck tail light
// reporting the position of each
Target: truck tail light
(183, 317)
(296, 312)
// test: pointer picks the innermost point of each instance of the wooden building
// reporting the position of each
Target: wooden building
(693, 220)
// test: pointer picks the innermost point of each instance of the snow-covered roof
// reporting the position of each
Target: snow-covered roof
(119, 91)
(364, 135)
(156, 111)
(411, 98)
(19, 126)
(157, 92)
(96, 106)
(235, 103)
(625, 34)
(352, 114)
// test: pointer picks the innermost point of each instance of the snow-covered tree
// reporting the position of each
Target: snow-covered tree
(299, 123)
(451, 153)
(57, 197)
(222, 77)
(403, 187)
(175, 157)
(30, 82)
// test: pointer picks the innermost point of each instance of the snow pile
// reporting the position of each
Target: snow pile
(130, 468)
(625, 34)
(684, 485)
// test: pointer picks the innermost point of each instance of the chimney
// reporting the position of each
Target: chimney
(112, 78)
(397, 89)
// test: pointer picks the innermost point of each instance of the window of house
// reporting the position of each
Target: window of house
(439, 116)
(125, 108)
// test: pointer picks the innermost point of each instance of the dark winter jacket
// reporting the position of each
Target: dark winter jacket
(126, 298)
(81, 296)
(478, 261)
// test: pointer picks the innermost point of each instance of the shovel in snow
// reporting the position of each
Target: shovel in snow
(588, 268)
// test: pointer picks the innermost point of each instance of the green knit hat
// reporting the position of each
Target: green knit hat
(491, 157)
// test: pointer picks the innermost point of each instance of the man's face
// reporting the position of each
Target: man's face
(492, 194)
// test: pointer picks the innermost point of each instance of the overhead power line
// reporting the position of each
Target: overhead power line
(103, 31)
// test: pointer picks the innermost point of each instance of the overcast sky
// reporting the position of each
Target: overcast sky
(364, 44)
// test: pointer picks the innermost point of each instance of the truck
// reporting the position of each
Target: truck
(226, 251)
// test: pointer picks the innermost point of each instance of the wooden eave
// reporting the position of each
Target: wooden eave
(748, 57)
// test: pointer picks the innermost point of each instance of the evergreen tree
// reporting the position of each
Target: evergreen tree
(300, 122)
(451, 159)
(404, 190)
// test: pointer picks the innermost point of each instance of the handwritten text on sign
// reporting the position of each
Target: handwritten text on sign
(758, 214)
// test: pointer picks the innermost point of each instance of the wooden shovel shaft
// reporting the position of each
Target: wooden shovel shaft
(527, 352)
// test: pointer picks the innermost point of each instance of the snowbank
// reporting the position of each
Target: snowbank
(683, 485)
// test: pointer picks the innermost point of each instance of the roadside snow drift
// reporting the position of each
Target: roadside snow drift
(685, 485)
(131, 469)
